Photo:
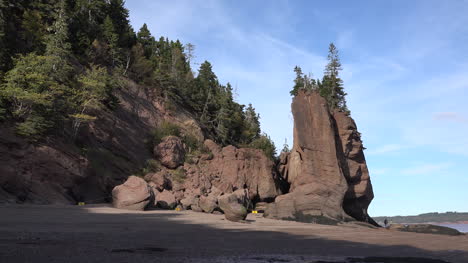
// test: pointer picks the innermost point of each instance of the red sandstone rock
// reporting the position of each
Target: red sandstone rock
(170, 152)
(134, 194)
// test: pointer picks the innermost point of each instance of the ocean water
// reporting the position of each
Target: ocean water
(460, 227)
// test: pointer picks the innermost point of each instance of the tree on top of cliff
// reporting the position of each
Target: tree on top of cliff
(332, 85)
(302, 81)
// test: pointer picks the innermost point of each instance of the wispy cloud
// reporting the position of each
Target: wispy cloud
(388, 148)
(379, 171)
(428, 169)
(450, 116)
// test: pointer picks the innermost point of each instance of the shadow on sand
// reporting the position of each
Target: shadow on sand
(74, 234)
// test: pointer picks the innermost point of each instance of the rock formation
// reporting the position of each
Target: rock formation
(170, 152)
(359, 193)
(326, 182)
(134, 194)
(214, 174)
(113, 147)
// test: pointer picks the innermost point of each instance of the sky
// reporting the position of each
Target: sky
(405, 69)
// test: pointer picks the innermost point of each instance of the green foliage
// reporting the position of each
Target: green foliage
(178, 175)
(151, 166)
(58, 44)
(165, 129)
(265, 144)
(37, 90)
(285, 146)
(95, 89)
(331, 86)
(303, 82)
(33, 127)
(427, 217)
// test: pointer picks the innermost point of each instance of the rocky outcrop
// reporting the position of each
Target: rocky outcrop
(56, 171)
(40, 174)
(359, 194)
(228, 169)
(170, 152)
(318, 170)
(134, 194)
(246, 173)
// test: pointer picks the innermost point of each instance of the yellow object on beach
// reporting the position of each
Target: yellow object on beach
(254, 212)
(177, 209)
(81, 203)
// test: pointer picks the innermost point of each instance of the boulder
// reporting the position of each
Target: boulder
(166, 200)
(159, 180)
(208, 203)
(233, 210)
(134, 194)
(189, 200)
(170, 152)
(196, 208)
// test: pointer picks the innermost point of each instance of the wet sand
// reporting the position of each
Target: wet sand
(99, 233)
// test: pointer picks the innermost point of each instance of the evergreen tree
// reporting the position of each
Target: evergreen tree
(332, 85)
(298, 81)
(57, 45)
(145, 38)
(119, 15)
(252, 120)
(141, 69)
(111, 39)
(285, 146)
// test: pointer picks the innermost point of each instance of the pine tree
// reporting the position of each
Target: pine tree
(57, 45)
(111, 39)
(332, 85)
(252, 120)
(298, 81)
(285, 146)
(145, 38)
(119, 15)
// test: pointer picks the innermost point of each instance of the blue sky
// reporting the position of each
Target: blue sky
(405, 70)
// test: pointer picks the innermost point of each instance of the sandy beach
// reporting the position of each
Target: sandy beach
(100, 233)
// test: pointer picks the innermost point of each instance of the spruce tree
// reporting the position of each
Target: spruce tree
(252, 120)
(111, 39)
(298, 81)
(332, 85)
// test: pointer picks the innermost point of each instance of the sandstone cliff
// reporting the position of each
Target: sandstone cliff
(103, 156)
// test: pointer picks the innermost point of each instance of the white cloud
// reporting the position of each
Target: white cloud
(379, 171)
(450, 116)
(388, 148)
(426, 169)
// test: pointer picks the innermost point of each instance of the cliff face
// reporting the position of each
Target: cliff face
(324, 177)
(109, 150)
(326, 168)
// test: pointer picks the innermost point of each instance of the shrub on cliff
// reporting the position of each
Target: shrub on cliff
(265, 144)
